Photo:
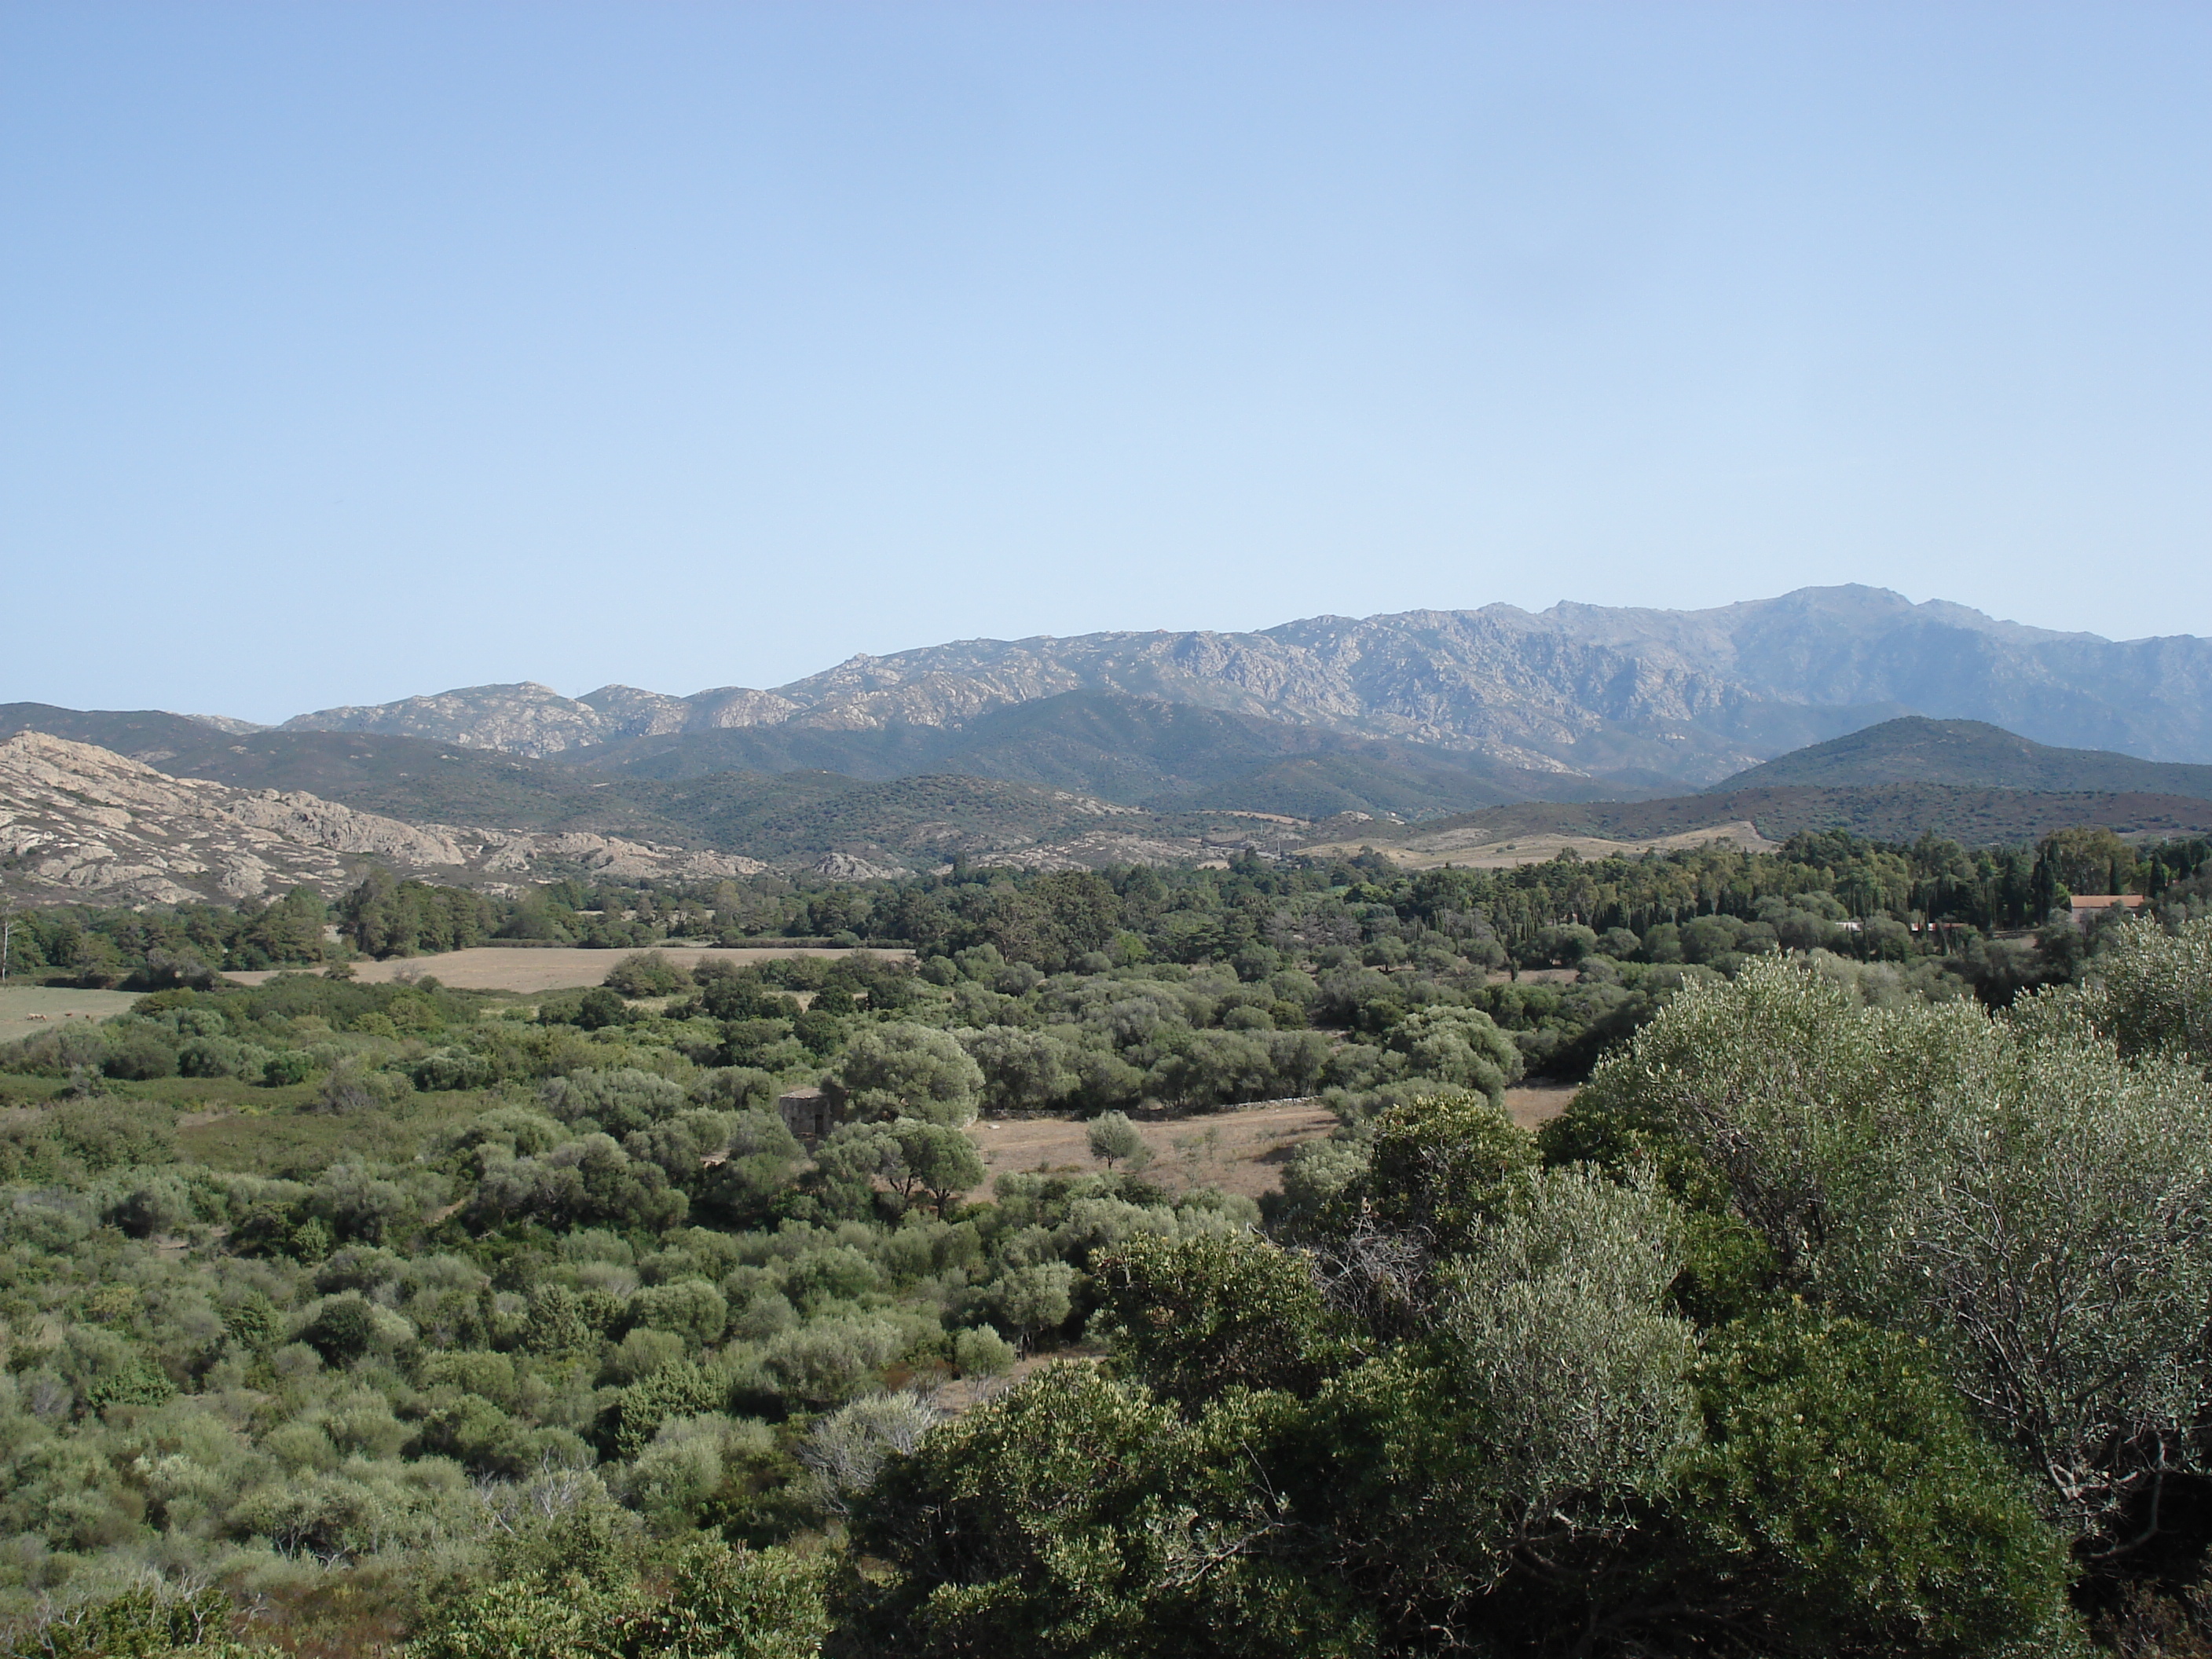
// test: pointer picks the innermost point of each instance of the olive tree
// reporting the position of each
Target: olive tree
(2150, 990)
(905, 1070)
(2057, 1247)
(2035, 1205)
(1114, 1139)
(844, 1452)
(1023, 1071)
(937, 1159)
(906, 1156)
(1460, 1047)
(1549, 1406)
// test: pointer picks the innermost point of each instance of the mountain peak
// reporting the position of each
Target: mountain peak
(1598, 690)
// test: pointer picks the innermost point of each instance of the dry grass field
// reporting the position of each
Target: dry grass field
(28, 1008)
(1484, 849)
(1535, 1104)
(489, 968)
(1239, 1149)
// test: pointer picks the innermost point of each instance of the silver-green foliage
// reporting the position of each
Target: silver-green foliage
(2151, 990)
(1554, 1332)
(2034, 1203)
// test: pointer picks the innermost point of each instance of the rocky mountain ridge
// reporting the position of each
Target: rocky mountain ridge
(88, 825)
(1466, 681)
(80, 823)
(1624, 694)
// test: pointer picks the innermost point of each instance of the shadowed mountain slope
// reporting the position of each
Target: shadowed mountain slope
(1895, 813)
(1131, 750)
(1916, 750)
(1120, 747)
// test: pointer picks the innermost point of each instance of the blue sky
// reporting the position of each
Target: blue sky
(353, 351)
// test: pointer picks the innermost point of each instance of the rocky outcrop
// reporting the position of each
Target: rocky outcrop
(527, 718)
(524, 853)
(530, 718)
(844, 866)
(87, 825)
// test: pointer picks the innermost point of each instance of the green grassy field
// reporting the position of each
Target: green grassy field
(274, 1131)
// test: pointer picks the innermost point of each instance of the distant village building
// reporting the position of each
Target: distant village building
(2082, 908)
(806, 1113)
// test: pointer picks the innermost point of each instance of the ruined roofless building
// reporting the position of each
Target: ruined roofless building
(806, 1113)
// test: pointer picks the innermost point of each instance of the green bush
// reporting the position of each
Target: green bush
(648, 974)
(288, 1067)
(140, 1058)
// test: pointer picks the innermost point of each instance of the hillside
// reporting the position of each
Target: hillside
(1603, 693)
(1172, 757)
(1132, 750)
(924, 821)
(1898, 813)
(1915, 750)
(79, 823)
(1319, 786)
(1493, 683)
(1865, 647)
(409, 778)
(83, 824)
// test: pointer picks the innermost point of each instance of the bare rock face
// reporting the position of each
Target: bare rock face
(82, 824)
(1587, 688)
(845, 867)
(520, 852)
(527, 718)
(1496, 682)
(734, 705)
(310, 819)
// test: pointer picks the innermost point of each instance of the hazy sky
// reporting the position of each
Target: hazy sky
(349, 350)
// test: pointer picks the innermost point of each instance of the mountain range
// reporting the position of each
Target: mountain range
(1846, 708)
(82, 823)
(1531, 702)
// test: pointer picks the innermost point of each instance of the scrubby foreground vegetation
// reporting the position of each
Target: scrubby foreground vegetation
(1857, 1306)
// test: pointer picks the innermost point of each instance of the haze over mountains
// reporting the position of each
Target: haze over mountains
(1163, 747)
(1633, 698)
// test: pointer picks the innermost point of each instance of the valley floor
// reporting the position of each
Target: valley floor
(494, 968)
(1237, 1149)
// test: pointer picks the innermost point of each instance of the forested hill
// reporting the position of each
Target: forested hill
(1137, 751)
(1916, 750)
(1903, 812)
(60, 838)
